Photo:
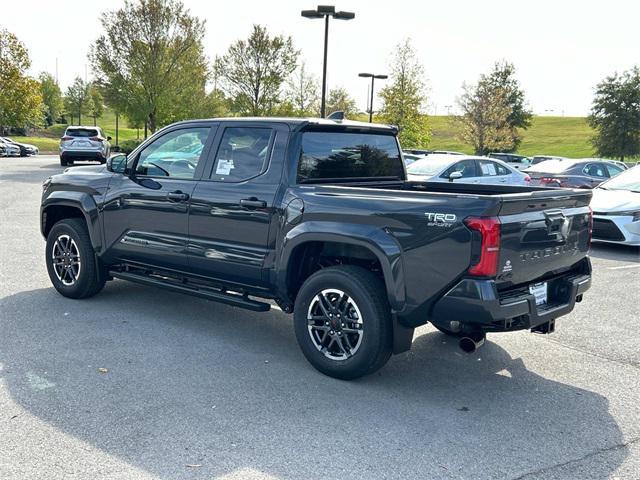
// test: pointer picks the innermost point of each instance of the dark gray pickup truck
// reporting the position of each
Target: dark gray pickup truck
(317, 217)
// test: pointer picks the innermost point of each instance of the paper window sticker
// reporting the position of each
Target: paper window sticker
(224, 167)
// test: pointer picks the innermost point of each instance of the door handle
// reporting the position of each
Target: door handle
(253, 202)
(177, 196)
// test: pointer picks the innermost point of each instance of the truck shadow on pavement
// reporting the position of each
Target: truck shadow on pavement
(189, 382)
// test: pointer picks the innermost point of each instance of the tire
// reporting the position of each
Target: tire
(88, 277)
(63, 162)
(355, 348)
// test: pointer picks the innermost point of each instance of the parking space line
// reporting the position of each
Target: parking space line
(622, 267)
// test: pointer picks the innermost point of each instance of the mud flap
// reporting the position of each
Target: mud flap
(402, 336)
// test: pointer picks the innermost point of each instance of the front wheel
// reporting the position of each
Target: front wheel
(71, 263)
(342, 322)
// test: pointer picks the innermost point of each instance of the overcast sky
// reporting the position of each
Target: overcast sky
(561, 48)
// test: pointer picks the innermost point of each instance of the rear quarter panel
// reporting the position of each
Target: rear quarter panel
(434, 253)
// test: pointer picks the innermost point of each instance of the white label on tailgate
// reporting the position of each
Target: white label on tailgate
(539, 290)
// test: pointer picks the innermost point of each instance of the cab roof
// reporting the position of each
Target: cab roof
(301, 123)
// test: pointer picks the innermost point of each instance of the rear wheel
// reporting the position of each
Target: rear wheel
(342, 322)
(73, 269)
(63, 162)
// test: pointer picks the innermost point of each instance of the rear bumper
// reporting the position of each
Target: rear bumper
(82, 155)
(477, 305)
(616, 229)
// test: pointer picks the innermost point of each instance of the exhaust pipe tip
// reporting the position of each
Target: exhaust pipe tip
(472, 343)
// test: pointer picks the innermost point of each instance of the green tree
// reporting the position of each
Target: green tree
(95, 106)
(303, 93)
(340, 100)
(484, 120)
(253, 71)
(51, 97)
(404, 97)
(503, 79)
(615, 115)
(494, 112)
(20, 98)
(77, 99)
(150, 61)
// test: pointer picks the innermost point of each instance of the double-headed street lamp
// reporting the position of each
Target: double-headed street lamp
(326, 11)
(373, 78)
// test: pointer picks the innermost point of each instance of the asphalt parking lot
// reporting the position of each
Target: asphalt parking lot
(199, 390)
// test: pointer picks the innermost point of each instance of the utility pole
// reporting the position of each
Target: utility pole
(326, 11)
(370, 92)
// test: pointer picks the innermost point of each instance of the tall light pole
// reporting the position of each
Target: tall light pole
(373, 78)
(326, 11)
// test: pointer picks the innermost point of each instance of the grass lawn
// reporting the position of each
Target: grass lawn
(562, 136)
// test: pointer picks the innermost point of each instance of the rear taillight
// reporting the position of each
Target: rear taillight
(66, 138)
(95, 139)
(489, 230)
(527, 178)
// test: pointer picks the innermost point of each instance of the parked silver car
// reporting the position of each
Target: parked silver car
(465, 169)
(9, 149)
(84, 143)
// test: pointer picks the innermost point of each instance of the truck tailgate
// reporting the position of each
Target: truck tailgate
(543, 233)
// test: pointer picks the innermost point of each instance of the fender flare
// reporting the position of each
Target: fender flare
(84, 203)
(375, 239)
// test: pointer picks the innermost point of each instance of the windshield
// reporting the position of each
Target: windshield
(628, 180)
(429, 167)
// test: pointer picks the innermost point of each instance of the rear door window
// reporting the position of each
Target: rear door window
(345, 155)
(243, 153)
(492, 169)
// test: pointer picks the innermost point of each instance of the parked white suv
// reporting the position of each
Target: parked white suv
(84, 143)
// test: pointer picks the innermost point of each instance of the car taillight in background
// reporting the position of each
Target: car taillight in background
(547, 180)
(96, 139)
(488, 229)
(66, 138)
(527, 178)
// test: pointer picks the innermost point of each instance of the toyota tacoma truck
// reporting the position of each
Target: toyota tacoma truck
(317, 217)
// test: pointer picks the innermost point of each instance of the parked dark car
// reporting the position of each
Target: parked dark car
(584, 173)
(318, 217)
(519, 162)
(536, 159)
(25, 148)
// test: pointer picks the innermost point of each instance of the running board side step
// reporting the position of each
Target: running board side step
(237, 300)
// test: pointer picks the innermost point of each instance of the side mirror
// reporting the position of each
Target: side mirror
(455, 176)
(117, 163)
(108, 139)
